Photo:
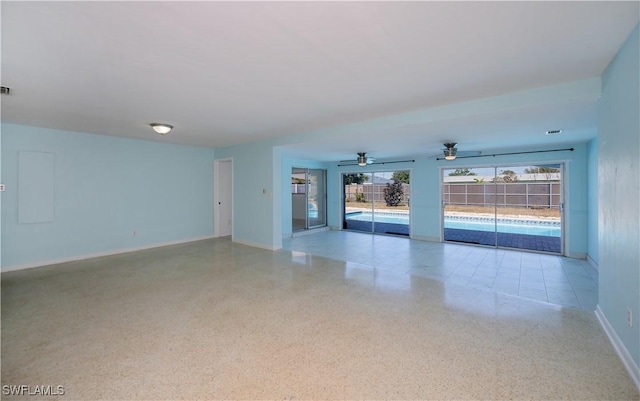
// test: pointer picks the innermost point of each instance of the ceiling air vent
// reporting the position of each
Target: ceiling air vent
(5, 90)
(553, 132)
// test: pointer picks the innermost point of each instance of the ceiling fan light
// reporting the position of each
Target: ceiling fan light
(362, 159)
(162, 129)
(450, 153)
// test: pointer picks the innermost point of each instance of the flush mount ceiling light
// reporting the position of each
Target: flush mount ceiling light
(162, 129)
(450, 151)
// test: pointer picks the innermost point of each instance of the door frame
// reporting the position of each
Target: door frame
(217, 174)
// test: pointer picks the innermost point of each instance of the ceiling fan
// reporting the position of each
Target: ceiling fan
(362, 159)
(451, 152)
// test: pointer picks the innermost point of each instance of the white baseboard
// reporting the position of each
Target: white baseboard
(576, 255)
(425, 238)
(256, 245)
(98, 254)
(627, 360)
(592, 262)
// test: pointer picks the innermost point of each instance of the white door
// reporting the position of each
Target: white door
(223, 198)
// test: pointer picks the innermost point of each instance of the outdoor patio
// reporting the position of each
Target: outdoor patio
(519, 241)
(380, 228)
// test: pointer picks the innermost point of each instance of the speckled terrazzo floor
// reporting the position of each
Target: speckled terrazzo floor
(218, 320)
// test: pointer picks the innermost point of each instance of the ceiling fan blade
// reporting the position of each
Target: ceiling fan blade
(467, 153)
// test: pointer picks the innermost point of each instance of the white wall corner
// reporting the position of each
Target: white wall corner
(592, 262)
(621, 350)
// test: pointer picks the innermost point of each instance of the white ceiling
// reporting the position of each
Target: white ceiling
(225, 73)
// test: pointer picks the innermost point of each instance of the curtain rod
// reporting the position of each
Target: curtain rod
(370, 164)
(511, 153)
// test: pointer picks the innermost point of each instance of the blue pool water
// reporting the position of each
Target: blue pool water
(503, 227)
(380, 218)
(511, 228)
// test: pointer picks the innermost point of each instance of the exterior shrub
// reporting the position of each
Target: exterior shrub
(393, 193)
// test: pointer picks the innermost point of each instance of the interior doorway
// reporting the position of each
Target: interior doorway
(308, 198)
(377, 202)
(516, 206)
(223, 198)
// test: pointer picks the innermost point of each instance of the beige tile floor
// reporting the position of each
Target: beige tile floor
(547, 278)
(218, 320)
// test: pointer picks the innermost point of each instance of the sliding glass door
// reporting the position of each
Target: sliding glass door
(316, 198)
(308, 198)
(358, 202)
(377, 202)
(504, 206)
(529, 207)
(468, 200)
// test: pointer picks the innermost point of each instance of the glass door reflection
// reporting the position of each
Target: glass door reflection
(316, 198)
(308, 198)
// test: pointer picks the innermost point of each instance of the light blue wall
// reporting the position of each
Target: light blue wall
(592, 201)
(257, 209)
(261, 202)
(619, 193)
(262, 197)
(425, 191)
(105, 188)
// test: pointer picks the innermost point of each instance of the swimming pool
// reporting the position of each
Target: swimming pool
(397, 218)
(528, 228)
(547, 229)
